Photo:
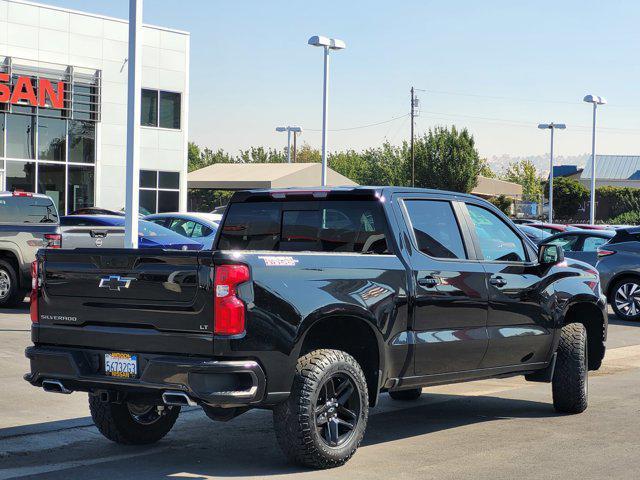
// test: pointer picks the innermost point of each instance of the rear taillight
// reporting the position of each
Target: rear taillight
(33, 296)
(604, 253)
(53, 240)
(229, 310)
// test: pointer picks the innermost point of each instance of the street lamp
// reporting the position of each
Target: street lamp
(327, 44)
(295, 131)
(592, 207)
(551, 126)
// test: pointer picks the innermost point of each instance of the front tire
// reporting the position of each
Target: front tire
(323, 421)
(132, 424)
(406, 395)
(625, 299)
(10, 292)
(570, 377)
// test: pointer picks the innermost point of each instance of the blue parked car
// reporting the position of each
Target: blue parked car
(90, 231)
(200, 227)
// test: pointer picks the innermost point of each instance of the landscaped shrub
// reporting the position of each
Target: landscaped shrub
(626, 218)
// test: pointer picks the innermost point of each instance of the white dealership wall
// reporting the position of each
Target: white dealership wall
(44, 33)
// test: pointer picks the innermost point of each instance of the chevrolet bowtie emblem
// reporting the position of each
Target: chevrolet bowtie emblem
(115, 282)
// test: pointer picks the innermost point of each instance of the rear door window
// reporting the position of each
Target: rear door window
(568, 243)
(25, 209)
(435, 228)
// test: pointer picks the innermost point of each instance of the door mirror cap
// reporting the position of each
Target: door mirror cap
(550, 254)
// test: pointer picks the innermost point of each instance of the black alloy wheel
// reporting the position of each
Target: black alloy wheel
(337, 409)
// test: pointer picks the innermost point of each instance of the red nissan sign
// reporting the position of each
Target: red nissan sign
(23, 91)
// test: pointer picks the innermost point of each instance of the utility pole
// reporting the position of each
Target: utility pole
(295, 147)
(290, 130)
(413, 158)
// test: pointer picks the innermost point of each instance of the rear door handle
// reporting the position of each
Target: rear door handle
(498, 281)
(428, 281)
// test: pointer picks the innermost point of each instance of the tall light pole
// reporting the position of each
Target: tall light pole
(551, 126)
(289, 130)
(595, 100)
(327, 44)
(134, 93)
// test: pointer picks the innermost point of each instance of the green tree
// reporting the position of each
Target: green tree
(306, 154)
(446, 159)
(525, 173)
(262, 155)
(503, 203)
(485, 169)
(568, 196)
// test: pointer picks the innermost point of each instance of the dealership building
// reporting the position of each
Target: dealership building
(63, 108)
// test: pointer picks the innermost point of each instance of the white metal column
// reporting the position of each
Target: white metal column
(132, 198)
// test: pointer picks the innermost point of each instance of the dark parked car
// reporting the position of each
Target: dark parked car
(311, 304)
(536, 235)
(619, 267)
(581, 244)
(107, 231)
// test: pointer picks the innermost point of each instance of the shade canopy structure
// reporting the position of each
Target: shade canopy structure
(492, 187)
(242, 176)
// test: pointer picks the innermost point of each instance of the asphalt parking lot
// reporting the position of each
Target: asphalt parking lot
(501, 429)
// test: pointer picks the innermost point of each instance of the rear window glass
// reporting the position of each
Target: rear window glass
(16, 209)
(315, 226)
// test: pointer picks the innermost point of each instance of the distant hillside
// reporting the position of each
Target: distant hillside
(499, 162)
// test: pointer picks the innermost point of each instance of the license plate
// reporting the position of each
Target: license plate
(122, 365)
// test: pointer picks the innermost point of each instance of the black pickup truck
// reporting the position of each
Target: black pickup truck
(312, 304)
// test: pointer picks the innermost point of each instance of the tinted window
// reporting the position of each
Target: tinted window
(169, 110)
(168, 201)
(497, 240)
(201, 230)
(51, 182)
(251, 226)
(149, 113)
(169, 180)
(325, 226)
(591, 244)
(148, 178)
(148, 200)
(568, 243)
(27, 210)
(435, 228)
(21, 135)
(21, 176)
(52, 139)
(183, 227)
(82, 140)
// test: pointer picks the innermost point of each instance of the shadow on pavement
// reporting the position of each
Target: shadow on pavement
(199, 449)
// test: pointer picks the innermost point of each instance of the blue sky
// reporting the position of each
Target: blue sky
(496, 67)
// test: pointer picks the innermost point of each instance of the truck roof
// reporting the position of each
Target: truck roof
(363, 192)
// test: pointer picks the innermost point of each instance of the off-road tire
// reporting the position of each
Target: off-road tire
(294, 419)
(406, 395)
(15, 294)
(115, 422)
(570, 378)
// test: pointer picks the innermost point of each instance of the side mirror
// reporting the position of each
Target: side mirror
(550, 254)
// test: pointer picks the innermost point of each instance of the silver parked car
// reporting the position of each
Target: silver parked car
(619, 268)
(199, 227)
(28, 222)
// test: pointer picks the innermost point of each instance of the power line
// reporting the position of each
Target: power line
(360, 126)
(520, 99)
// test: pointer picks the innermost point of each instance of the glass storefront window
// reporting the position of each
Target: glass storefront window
(149, 114)
(52, 137)
(169, 180)
(168, 201)
(148, 200)
(51, 182)
(21, 134)
(148, 178)
(169, 110)
(2, 123)
(80, 187)
(82, 141)
(21, 176)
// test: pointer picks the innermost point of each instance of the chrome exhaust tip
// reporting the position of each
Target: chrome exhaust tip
(177, 399)
(55, 386)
